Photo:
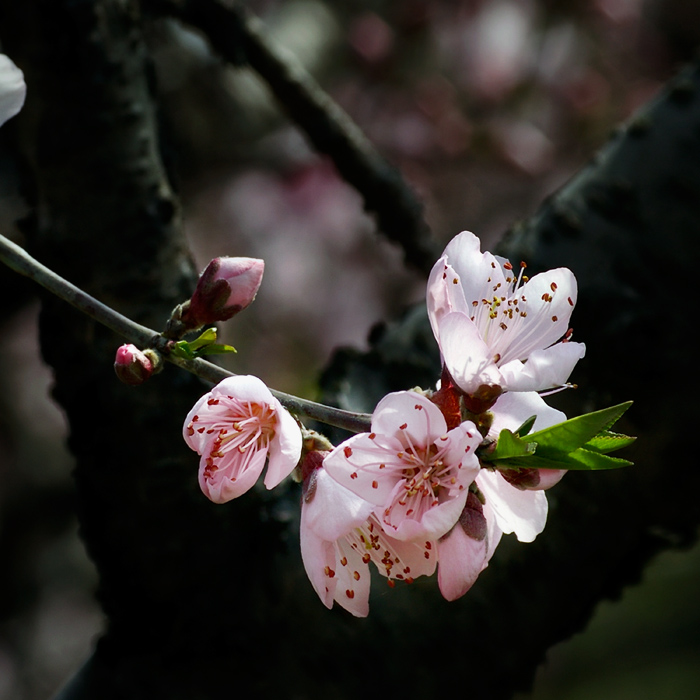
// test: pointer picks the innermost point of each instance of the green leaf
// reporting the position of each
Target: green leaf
(182, 349)
(581, 443)
(576, 432)
(510, 446)
(207, 337)
(215, 349)
(526, 427)
(205, 344)
(607, 441)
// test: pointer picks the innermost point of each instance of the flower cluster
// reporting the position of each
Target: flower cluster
(429, 487)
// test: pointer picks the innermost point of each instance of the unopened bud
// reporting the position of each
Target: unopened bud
(134, 366)
(226, 287)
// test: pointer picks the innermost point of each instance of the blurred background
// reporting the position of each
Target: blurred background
(486, 107)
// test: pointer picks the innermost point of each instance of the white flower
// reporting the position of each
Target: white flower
(496, 330)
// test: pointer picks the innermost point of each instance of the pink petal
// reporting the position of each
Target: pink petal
(319, 558)
(364, 466)
(434, 523)
(460, 561)
(332, 511)
(352, 589)
(285, 447)
(409, 413)
(232, 479)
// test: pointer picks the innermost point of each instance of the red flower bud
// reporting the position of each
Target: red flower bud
(226, 287)
(132, 365)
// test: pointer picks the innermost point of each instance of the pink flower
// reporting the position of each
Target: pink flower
(236, 427)
(415, 471)
(340, 536)
(132, 365)
(13, 89)
(494, 328)
(516, 499)
(226, 287)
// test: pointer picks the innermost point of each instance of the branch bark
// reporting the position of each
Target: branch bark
(239, 37)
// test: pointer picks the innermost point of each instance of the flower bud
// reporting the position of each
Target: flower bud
(226, 287)
(134, 366)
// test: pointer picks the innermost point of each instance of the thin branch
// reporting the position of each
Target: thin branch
(240, 37)
(20, 261)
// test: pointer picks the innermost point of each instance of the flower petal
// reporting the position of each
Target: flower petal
(285, 447)
(233, 477)
(319, 560)
(410, 414)
(521, 512)
(460, 561)
(433, 523)
(548, 300)
(512, 409)
(544, 369)
(332, 510)
(467, 357)
(479, 273)
(364, 466)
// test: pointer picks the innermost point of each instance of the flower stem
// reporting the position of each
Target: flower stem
(21, 262)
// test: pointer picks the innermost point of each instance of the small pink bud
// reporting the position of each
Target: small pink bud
(132, 365)
(226, 287)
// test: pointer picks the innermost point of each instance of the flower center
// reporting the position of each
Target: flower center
(238, 425)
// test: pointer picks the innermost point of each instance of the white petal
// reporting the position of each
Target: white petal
(521, 512)
(332, 510)
(512, 409)
(479, 272)
(444, 293)
(13, 89)
(549, 301)
(467, 357)
(544, 369)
